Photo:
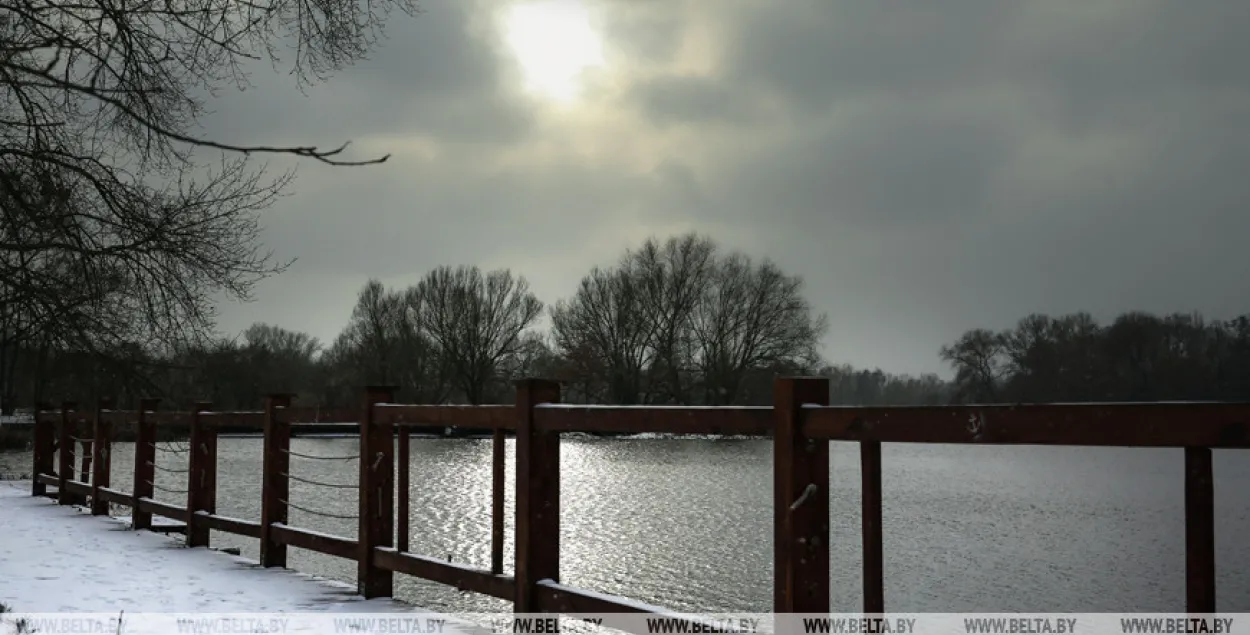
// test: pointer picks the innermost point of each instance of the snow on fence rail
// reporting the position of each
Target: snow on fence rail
(800, 422)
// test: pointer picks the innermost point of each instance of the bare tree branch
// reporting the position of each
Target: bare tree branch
(112, 227)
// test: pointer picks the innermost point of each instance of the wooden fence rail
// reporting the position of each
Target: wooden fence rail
(800, 422)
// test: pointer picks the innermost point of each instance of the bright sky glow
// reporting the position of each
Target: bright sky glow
(553, 42)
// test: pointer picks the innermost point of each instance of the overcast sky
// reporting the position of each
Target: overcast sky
(927, 167)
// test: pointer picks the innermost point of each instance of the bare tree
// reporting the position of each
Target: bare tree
(673, 277)
(604, 332)
(752, 316)
(476, 321)
(424, 373)
(367, 347)
(383, 343)
(82, 80)
(533, 357)
(979, 365)
(279, 359)
(675, 315)
(117, 222)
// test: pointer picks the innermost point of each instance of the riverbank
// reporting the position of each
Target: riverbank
(19, 436)
(60, 559)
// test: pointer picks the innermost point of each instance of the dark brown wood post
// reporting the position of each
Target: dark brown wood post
(201, 475)
(870, 502)
(101, 446)
(1199, 531)
(498, 478)
(377, 493)
(537, 494)
(403, 465)
(44, 447)
(801, 491)
(66, 443)
(275, 480)
(145, 462)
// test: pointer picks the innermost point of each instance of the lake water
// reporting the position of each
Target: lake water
(687, 524)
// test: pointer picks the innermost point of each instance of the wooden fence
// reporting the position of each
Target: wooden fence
(800, 422)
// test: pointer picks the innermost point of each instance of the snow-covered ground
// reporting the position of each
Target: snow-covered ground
(55, 558)
(65, 572)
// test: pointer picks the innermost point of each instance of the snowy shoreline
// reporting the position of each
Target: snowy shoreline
(61, 559)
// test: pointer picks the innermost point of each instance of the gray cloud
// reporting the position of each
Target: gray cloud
(648, 31)
(928, 168)
(434, 75)
(682, 100)
(817, 52)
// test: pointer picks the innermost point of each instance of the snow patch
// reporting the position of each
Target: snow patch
(58, 559)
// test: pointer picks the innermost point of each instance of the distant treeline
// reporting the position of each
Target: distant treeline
(675, 322)
(1138, 357)
(678, 322)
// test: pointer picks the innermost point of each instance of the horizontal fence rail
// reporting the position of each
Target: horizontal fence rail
(800, 423)
(483, 417)
(726, 421)
(1177, 424)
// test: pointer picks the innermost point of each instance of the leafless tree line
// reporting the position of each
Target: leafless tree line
(673, 322)
(679, 322)
(456, 332)
(1137, 357)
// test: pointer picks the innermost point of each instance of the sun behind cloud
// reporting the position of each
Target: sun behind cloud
(554, 43)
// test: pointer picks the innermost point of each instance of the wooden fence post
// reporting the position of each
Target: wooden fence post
(498, 478)
(377, 494)
(44, 449)
(801, 499)
(66, 443)
(201, 475)
(403, 465)
(275, 482)
(537, 494)
(101, 446)
(1199, 531)
(870, 525)
(145, 463)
